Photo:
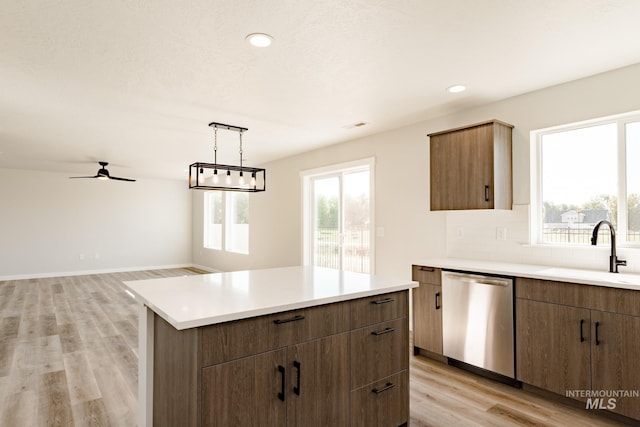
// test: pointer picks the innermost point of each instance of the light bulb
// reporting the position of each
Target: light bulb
(253, 180)
(241, 180)
(228, 177)
(215, 176)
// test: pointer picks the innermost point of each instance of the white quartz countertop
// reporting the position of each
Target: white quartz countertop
(573, 275)
(199, 300)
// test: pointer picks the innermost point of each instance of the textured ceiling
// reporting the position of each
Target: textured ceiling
(136, 82)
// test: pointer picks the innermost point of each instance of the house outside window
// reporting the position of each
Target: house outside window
(585, 173)
(226, 221)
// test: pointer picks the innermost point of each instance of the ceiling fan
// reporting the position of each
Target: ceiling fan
(103, 174)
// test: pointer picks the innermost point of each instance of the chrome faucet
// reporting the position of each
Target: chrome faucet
(614, 262)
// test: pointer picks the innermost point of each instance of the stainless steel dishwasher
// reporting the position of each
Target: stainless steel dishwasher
(477, 321)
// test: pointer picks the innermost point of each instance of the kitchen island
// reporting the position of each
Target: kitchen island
(283, 346)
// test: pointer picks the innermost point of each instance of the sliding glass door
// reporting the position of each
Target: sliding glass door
(341, 220)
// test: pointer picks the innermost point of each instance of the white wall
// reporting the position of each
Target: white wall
(402, 188)
(47, 222)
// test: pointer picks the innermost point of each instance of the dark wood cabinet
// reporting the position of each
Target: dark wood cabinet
(318, 392)
(572, 337)
(287, 369)
(470, 167)
(553, 346)
(379, 348)
(244, 392)
(616, 358)
(427, 309)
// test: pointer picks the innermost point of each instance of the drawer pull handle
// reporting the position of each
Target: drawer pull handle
(438, 305)
(281, 394)
(597, 337)
(581, 335)
(385, 331)
(292, 319)
(296, 389)
(428, 269)
(385, 388)
(383, 301)
(486, 193)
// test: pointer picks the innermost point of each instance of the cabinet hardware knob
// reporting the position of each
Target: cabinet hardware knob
(296, 389)
(385, 331)
(597, 337)
(383, 301)
(581, 335)
(385, 388)
(292, 319)
(438, 306)
(282, 386)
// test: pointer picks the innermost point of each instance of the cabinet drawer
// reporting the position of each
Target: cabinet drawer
(232, 340)
(379, 308)
(424, 274)
(382, 403)
(379, 351)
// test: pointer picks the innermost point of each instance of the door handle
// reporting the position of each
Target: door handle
(384, 331)
(581, 335)
(385, 388)
(597, 338)
(383, 301)
(438, 306)
(296, 389)
(292, 319)
(486, 193)
(282, 386)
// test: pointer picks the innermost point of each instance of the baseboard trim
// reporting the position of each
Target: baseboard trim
(104, 271)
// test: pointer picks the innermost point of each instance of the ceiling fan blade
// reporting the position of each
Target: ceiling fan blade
(74, 177)
(122, 179)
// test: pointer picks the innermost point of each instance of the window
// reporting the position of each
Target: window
(338, 216)
(586, 174)
(226, 221)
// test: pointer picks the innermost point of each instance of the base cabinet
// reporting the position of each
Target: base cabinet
(427, 309)
(308, 367)
(553, 350)
(251, 392)
(575, 338)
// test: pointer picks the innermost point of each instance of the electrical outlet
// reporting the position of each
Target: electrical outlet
(460, 233)
(379, 231)
(81, 257)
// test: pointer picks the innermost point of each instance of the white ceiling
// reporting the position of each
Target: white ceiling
(136, 82)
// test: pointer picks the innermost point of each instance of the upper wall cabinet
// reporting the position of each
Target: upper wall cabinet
(471, 167)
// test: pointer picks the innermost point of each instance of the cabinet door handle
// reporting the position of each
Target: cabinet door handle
(486, 193)
(385, 388)
(581, 335)
(383, 301)
(428, 269)
(292, 319)
(384, 331)
(282, 386)
(597, 338)
(438, 306)
(296, 389)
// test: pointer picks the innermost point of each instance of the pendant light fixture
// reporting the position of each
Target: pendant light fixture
(214, 176)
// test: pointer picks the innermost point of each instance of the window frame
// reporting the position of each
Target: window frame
(228, 212)
(537, 204)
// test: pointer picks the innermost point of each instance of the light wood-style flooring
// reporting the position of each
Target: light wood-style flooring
(68, 357)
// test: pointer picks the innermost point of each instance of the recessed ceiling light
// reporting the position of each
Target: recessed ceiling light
(457, 88)
(259, 39)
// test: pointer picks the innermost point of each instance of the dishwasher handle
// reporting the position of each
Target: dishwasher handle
(480, 280)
